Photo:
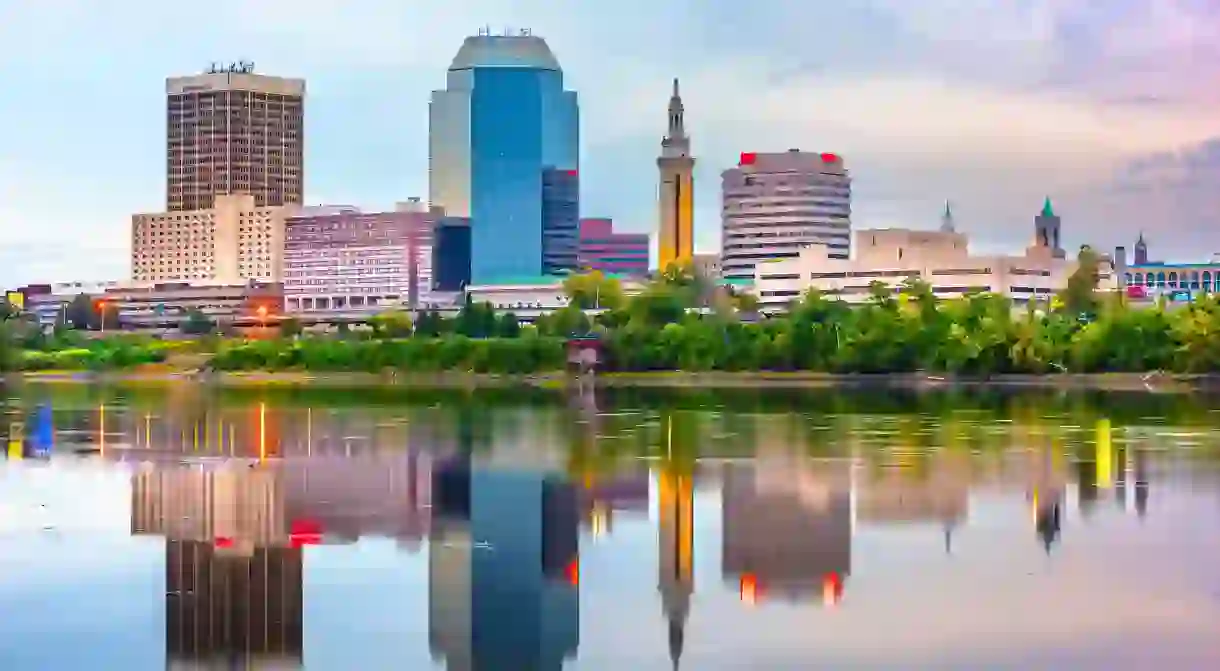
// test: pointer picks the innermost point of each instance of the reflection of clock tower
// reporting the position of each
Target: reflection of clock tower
(675, 547)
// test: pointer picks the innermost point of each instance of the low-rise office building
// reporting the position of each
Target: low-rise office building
(535, 294)
(940, 258)
(49, 302)
(166, 305)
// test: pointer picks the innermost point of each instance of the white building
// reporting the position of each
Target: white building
(532, 295)
(776, 204)
(940, 258)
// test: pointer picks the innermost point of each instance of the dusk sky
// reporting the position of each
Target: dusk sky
(1110, 108)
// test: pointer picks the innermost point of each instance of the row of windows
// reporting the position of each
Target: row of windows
(1186, 280)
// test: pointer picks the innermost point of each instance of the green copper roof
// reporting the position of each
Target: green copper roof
(948, 211)
(1047, 210)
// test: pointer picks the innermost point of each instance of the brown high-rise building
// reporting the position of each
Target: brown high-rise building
(230, 131)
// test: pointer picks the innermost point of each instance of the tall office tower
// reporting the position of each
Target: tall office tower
(775, 204)
(231, 131)
(675, 242)
(1047, 227)
(503, 140)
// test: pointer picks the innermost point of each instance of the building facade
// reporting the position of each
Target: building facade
(451, 255)
(231, 131)
(775, 204)
(708, 265)
(676, 216)
(942, 259)
(603, 249)
(167, 304)
(539, 293)
(231, 241)
(357, 262)
(49, 302)
(560, 221)
(503, 124)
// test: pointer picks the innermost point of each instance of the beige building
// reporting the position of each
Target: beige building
(941, 258)
(231, 242)
(231, 131)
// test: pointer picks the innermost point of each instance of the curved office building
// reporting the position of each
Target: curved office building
(503, 151)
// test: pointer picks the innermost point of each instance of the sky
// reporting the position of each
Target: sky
(993, 105)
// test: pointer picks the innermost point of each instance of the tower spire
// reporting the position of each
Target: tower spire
(677, 112)
(946, 219)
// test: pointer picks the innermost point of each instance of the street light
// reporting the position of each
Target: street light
(99, 306)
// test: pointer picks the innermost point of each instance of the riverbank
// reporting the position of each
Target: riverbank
(1149, 382)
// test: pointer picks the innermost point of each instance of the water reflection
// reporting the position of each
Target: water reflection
(530, 528)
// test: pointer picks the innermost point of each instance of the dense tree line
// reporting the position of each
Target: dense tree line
(680, 321)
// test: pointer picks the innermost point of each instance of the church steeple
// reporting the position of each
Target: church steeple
(1141, 250)
(946, 220)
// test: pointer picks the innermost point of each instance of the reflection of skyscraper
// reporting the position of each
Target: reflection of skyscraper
(233, 609)
(675, 549)
(233, 577)
(787, 531)
(503, 569)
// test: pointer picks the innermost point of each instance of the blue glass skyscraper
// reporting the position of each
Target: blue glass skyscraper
(499, 134)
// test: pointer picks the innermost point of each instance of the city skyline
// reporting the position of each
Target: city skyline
(1090, 106)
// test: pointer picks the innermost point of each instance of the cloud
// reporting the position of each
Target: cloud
(993, 106)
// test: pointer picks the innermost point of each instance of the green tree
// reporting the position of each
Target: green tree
(508, 326)
(290, 327)
(1080, 295)
(197, 323)
(593, 290)
(79, 312)
(391, 324)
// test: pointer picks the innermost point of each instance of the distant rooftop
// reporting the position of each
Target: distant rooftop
(543, 280)
(1161, 264)
(504, 51)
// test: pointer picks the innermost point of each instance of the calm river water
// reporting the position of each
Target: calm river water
(178, 528)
